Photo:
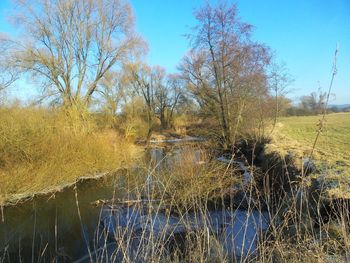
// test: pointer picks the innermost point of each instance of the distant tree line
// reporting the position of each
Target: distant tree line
(312, 104)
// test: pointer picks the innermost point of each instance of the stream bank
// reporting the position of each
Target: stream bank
(65, 226)
(105, 219)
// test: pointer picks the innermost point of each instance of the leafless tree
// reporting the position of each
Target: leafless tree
(279, 80)
(168, 93)
(315, 102)
(176, 96)
(70, 45)
(112, 90)
(140, 78)
(161, 92)
(224, 66)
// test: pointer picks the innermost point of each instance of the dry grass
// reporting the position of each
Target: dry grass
(292, 236)
(186, 180)
(41, 149)
(186, 189)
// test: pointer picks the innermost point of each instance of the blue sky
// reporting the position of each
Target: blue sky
(303, 33)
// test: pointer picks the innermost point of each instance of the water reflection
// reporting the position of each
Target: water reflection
(50, 227)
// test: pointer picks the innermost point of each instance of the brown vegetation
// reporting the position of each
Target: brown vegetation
(104, 99)
(41, 149)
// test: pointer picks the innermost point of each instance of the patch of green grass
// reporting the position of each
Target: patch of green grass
(333, 144)
(332, 151)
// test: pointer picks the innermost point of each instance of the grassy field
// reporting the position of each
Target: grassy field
(332, 151)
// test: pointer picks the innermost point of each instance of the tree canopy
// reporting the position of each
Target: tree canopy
(71, 45)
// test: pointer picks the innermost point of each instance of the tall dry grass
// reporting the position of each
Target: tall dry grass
(303, 227)
(184, 187)
(41, 149)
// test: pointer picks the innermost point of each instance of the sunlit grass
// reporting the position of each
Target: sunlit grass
(42, 149)
(297, 135)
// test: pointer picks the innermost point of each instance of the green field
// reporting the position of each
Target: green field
(332, 151)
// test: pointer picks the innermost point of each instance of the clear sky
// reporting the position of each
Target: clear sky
(303, 33)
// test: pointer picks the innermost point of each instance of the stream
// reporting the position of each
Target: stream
(66, 227)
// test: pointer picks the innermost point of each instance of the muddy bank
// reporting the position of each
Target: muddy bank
(16, 199)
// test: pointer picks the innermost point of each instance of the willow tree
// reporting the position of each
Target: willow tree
(70, 45)
(224, 65)
(141, 78)
(161, 93)
(111, 95)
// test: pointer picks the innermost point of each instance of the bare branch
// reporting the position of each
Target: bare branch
(72, 45)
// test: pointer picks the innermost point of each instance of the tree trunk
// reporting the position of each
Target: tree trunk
(163, 120)
(149, 116)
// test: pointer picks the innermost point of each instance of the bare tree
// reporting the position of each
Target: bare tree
(315, 102)
(140, 77)
(176, 95)
(112, 90)
(224, 65)
(168, 94)
(161, 94)
(279, 79)
(71, 45)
